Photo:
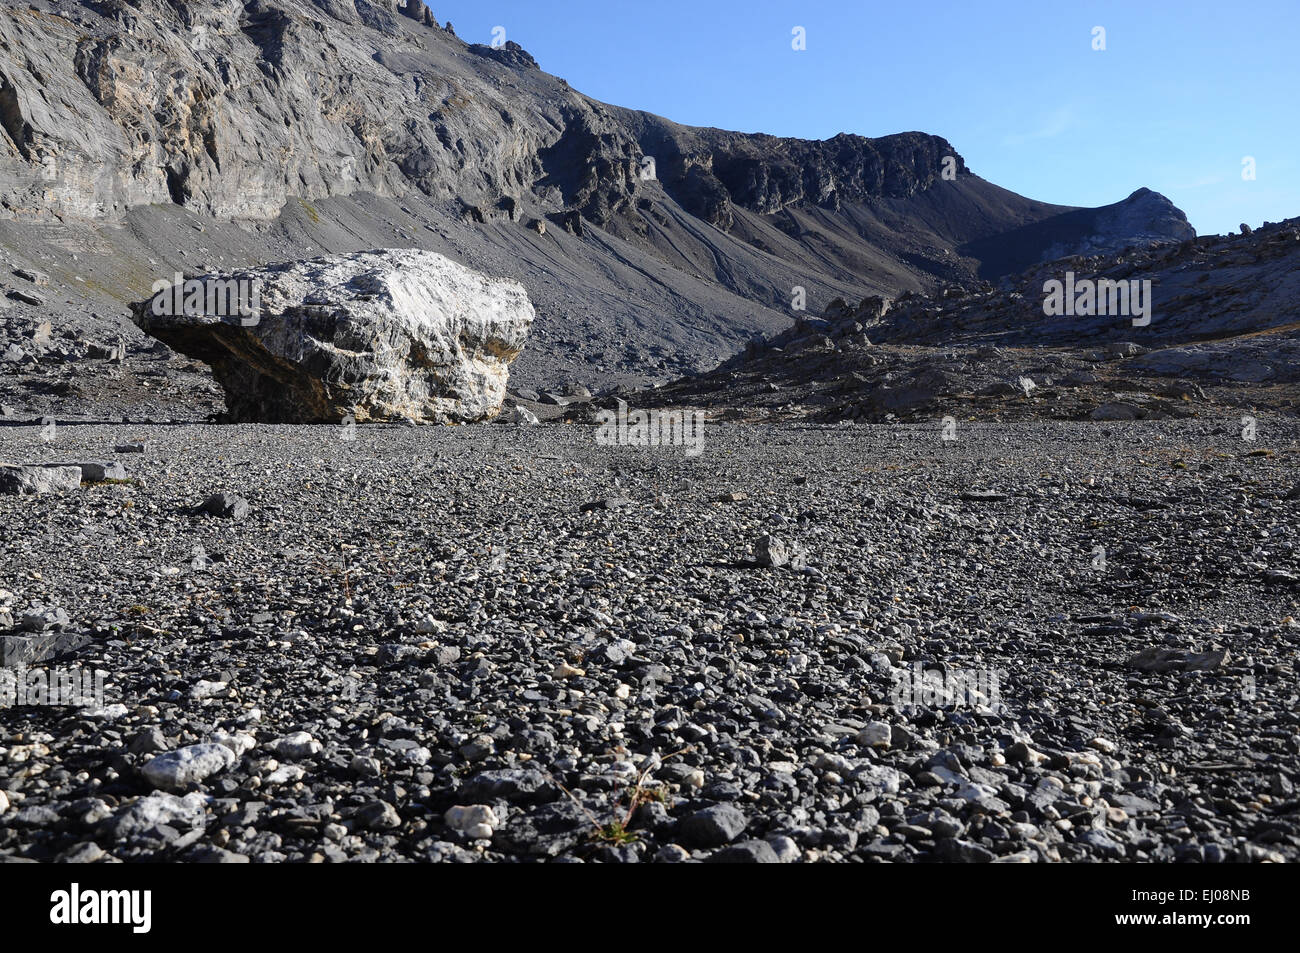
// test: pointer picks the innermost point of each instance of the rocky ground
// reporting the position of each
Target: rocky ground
(1222, 337)
(511, 643)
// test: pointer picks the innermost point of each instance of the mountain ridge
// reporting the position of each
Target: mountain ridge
(388, 130)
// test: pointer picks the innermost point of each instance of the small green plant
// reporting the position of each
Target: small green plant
(311, 212)
(615, 833)
(616, 830)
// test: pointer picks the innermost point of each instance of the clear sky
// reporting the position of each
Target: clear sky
(1182, 93)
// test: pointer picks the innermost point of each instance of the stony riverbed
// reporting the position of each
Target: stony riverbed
(1036, 642)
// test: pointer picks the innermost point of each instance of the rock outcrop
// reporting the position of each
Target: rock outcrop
(1222, 331)
(380, 335)
(1144, 218)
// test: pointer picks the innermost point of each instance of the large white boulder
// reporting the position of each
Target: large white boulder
(378, 335)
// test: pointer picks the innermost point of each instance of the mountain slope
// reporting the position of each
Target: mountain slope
(161, 136)
(1220, 335)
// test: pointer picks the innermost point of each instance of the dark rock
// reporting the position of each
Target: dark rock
(746, 852)
(712, 826)
(226, 505)
(1160, 660)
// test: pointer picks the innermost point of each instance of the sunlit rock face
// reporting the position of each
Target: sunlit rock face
(378, 335)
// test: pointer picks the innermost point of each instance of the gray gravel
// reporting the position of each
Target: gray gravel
(426, 644)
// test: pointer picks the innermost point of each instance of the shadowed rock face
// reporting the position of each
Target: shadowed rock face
(1144, 218)
(379, 335)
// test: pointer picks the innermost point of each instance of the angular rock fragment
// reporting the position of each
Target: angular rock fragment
(44, 619)
(39, 479)
(607, 503)
(746, 852)
(378, 816)
(174, 770)
(776, 552)
(712, 826)
(32, 275)
(104, 352)
(96, 471)
(522, 416)
(149, 817)
(474, 820)
(297, 746)
(18, 650)
(227, 505)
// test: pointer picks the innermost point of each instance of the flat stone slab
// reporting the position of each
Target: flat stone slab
(94, 471)
(18, 650)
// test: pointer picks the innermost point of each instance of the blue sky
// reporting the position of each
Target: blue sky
(1183, 92)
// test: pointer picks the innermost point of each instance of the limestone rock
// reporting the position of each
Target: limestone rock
(174, 770)
(95, 471)
(522, 415)
(39, 479)
(378, 335)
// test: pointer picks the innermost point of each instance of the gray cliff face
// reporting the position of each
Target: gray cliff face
(150, 136)
(231, 108)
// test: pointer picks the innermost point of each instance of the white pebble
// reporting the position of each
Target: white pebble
(297, 746)
(475, 820)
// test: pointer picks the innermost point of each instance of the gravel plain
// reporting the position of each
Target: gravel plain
(514, 644)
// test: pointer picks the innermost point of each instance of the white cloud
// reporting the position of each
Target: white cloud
(1056, 123)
